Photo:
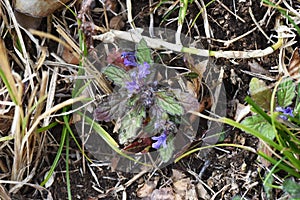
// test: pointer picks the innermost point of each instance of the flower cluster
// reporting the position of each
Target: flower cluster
(141, 102)
(288, 111)
(129, 59)
(137, 78)
(134, 86)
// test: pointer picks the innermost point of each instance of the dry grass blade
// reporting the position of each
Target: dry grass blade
(226, 8)
(8, 77)
(41, 59)
(54, 38)
(26, 104)
(15, 94)
(129, 14)
(24, 55)
(36, 186)
(3, 193)
(18, 163)
(46, 114)
(51, 94)
(69, 40)
(207, 28)
(36, 139)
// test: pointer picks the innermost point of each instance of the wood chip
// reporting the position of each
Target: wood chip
(177, 175)
(294, 66)
(147, 189)
(116, 23)
(163, 194)
(241, 112)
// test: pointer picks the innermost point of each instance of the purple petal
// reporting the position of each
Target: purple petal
(156, 145)
(132, 86)
(161, 140)
(143, 70)
(288, 111)
(129, 59)
(279, 109)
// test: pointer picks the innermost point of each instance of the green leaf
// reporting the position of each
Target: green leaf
(143, 53)
(191, 75)
(168, 103)
(167, 152)
(133, 100)
(116, 74)
(182, 11)
(292, 188)
(297, 103)
(298, 95)
(285, 93)
(107, 138)
(237, 197)
(259, 124)
(131, 124)
(260, 93)
(268, 186)
(297, 111)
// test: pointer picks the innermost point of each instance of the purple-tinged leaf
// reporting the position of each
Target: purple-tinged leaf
(116, 74)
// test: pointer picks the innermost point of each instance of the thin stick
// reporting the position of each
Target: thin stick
(129, 14)
(258, 25)
(202, 7)
(291, 9)
(54, 38)
(226, 8)
(110, 37)
(151, 30)
(26, 59)
(228, 42)
(182, 12)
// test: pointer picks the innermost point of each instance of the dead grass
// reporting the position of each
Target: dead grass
(27, 101)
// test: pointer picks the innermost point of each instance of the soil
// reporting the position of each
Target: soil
(222, 173)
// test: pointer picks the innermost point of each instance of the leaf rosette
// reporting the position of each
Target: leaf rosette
(143, 100)
(145, 106)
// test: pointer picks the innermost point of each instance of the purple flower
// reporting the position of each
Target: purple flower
(288, 111)
(132, 87)
(129, 59)
(160, 140)
(137, 77)
(143, 70)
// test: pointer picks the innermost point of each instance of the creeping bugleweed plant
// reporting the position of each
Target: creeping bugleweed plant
(143, 105)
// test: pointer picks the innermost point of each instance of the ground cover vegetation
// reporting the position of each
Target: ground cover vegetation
(186, 99)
